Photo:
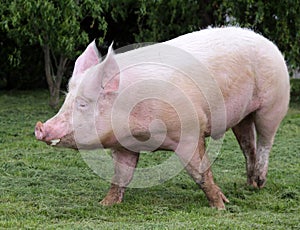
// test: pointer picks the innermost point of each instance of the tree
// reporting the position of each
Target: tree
(159, 20)
(56, 25)
(277, 20)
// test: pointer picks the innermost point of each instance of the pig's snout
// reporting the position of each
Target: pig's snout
(39, 131)
(51, 133)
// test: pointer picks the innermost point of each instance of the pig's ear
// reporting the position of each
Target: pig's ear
(87, 59)
(110, 77)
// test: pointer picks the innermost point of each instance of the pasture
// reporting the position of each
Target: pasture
(51, 188)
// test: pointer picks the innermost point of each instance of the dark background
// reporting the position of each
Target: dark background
(22, 66)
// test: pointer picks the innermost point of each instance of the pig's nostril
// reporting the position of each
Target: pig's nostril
(39, 124)
(39, 130)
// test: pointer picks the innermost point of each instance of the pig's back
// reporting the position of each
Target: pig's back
(222, 50)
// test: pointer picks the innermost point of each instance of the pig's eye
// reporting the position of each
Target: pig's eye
(81, 104)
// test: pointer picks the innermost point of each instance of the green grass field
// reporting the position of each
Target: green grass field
(48, 188)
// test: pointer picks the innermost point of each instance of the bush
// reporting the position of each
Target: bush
(295, 89)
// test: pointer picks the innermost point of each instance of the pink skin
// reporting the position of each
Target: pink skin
(55, 128)
(255, 94)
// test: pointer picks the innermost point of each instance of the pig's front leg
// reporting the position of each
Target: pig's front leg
(125, 162)
(198, 166)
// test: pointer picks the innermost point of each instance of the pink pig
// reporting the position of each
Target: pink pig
(172, 96)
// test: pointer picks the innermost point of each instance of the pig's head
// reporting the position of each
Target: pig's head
(83, 122)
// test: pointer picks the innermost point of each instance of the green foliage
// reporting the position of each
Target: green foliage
(56, 26)
(67, 26)
(159, 20)
(52, 188)
(16, 68)
(53, 23)
(277, 20)
(295, 89)
(162, 20)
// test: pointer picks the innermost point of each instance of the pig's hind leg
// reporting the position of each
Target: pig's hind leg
(262, 124)
(267, 121)
(125, 163)
(246, 135)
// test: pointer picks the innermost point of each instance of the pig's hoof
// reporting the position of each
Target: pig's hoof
(257, 182)
(218, 203)
(109, 200)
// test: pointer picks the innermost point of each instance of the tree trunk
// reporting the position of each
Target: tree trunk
(54, 80)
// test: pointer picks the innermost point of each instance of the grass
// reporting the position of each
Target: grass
(48, 188)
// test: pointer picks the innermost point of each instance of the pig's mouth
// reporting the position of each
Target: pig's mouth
(54, 142)
(65, 141)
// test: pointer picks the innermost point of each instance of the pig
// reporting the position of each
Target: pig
(171, 96)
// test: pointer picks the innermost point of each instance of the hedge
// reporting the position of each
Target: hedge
(295, 89)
